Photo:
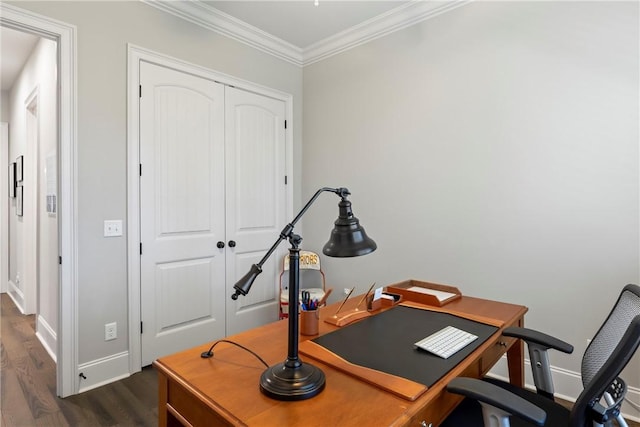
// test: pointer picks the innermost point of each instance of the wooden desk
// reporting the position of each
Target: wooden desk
(224, 390)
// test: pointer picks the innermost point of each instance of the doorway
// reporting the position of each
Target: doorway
(31, 241)
(5, 194)
(27, 238)
(64, 117)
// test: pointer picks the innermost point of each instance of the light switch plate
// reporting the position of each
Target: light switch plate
(113, 228)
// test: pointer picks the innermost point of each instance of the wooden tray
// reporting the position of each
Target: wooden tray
(425, 292)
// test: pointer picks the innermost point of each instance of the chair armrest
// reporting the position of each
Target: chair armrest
(530, 335)
(538, 343)
(496, 397)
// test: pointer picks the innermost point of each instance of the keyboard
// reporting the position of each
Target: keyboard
(446, 342)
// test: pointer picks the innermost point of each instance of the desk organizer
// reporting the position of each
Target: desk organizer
(350, 316)
(440, 295)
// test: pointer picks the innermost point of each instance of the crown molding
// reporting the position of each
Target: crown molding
(395, 19)
(215, 20)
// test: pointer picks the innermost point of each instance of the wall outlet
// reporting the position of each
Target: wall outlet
(110, 331)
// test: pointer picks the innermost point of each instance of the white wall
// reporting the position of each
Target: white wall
(4, 205)
(494, 147)
(104, 29)
(47, 255)
(38, 74)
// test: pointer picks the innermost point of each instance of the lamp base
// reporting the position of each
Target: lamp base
(282, 382)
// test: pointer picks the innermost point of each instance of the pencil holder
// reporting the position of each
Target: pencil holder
(309, 322)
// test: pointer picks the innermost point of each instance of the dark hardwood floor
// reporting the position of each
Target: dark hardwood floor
(28, 386)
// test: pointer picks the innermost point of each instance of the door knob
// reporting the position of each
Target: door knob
(220, 245)
(232, 243)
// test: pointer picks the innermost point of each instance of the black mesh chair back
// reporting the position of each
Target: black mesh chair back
(606, 356)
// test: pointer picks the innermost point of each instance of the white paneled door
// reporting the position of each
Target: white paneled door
(211, 197)
(182, 210)
(255, 153)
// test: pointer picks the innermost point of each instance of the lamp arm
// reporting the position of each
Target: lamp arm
(288, 229)
(243, 285)
(342, 192)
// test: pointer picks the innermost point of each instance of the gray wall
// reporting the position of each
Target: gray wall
(494, 147)
(4, 106)
(104, 29)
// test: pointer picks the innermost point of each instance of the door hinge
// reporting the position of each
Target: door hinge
(285, 124)
(141, 328)
(60, 260)
(140, 248)
(285, 180)
(140, 91)
(140, 169)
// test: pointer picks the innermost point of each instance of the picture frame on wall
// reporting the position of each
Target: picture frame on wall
(19, 168)
(12, 180)
(19, 190)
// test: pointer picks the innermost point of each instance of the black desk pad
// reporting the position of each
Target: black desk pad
(384, 342)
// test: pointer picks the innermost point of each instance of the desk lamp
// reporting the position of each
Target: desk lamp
(292, 379)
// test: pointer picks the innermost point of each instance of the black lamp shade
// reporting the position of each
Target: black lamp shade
(348, 238)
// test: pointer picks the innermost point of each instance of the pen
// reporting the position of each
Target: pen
(366, 295)
(345, 300)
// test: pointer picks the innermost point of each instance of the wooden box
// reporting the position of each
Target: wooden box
(383, 302)
(425, 292)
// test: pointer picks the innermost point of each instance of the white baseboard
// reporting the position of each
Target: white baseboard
(47, 336)
(628, 411)
(16, 295)
(103, 371)
(567, 385)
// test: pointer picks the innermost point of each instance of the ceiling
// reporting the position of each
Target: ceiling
(301, 22)
(16, 46)
(300, 32)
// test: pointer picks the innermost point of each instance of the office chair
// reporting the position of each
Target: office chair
(494, 403)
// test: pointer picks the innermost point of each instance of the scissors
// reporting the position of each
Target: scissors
(306, 300)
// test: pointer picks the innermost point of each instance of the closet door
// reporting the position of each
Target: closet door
(182, 213)
(255, 202)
